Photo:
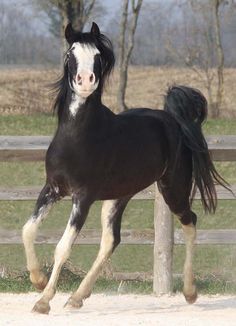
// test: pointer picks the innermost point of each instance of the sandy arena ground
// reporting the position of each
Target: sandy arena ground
(119, 310)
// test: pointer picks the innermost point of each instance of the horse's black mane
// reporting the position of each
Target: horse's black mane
(61, 87)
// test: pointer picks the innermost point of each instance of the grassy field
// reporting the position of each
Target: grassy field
(215, 267)
(27, 91)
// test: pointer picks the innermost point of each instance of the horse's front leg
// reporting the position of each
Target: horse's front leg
(46, 198)
(112, 211)
(62, 252)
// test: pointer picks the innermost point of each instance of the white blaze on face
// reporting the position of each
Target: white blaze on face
(84, 83)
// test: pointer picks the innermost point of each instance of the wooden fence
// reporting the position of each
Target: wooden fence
(33, 148)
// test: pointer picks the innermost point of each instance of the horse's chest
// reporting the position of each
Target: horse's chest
(77, 161)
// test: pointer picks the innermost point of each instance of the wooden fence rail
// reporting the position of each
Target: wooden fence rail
(33, 148)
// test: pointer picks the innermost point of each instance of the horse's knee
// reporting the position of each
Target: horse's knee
(29, 230)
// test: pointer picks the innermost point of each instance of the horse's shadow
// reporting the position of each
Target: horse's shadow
(221, 303)
(155, 308)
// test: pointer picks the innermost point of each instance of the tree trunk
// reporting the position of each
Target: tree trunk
(220, 60)
(126, 49)
(122, 69)
(77, 13)
(64, 45)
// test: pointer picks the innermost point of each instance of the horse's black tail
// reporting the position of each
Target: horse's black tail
(189, 108)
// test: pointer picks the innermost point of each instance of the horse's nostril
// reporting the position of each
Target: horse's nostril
(79, 79)
(91, 78)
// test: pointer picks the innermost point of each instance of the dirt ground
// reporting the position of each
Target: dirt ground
(119, 310)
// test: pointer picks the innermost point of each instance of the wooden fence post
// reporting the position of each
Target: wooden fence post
(163, 246)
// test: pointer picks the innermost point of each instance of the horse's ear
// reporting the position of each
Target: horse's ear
(95, 29)
(69, 33)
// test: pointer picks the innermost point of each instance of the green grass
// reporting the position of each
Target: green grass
(138, 215)
(214, 269)
(220, 127)
(45, 124)
(69, 283)
(218, 260)
(26, 125)
(16, 174)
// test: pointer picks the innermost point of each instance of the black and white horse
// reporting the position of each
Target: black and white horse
(98, 155)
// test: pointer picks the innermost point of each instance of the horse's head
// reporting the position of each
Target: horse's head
(89, 60)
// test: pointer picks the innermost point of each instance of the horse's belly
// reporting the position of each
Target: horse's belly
(121, 185)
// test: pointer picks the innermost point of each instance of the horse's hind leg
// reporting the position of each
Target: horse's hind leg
(112, 211)
(188, 221)
(176, 195)
(189, 290)
(45, 200)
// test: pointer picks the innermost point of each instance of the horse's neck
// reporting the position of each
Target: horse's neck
(75, 104)
(82, 113)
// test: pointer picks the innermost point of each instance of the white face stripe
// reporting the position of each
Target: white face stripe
(84, 55)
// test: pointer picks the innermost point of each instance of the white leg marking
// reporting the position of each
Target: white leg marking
(62, 253)
(104, 253)
(189, 287)
(29, 234)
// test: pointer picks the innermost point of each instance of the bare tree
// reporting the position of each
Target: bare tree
(24, 45)
(126, 44)
(151, 50)
(220, 58)
(75, 11)
(61, 12)
(203, 50)
(214, 7)
(196, 51)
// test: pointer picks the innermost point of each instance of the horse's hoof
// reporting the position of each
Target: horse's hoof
(41, 307)
(191, 297)
(73, 304)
